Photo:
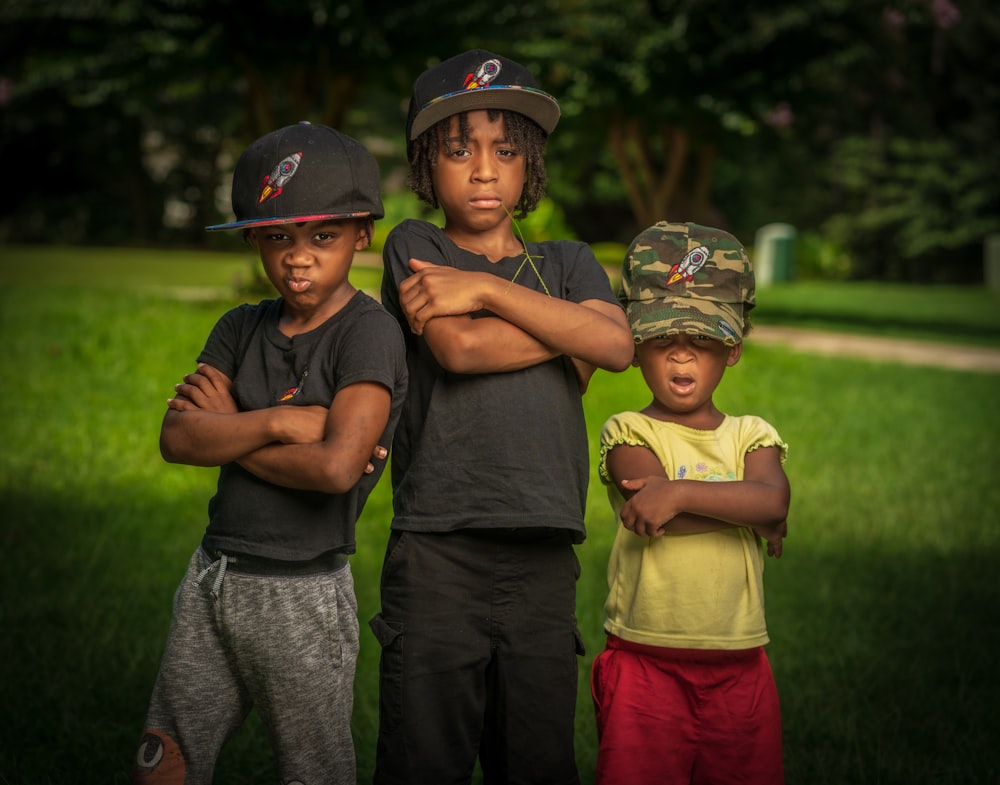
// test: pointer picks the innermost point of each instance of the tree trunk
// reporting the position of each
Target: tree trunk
(654, 176)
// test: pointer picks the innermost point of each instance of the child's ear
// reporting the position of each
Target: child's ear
(734, 355)
(635, 360)
(366, 232)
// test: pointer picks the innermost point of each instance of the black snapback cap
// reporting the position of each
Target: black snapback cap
(301, 173)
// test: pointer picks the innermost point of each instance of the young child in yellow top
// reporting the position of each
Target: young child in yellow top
(683, 691)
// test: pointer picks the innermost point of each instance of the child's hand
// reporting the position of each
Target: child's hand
(436, 290)
(775, 546)
(650, 507)
(208, 389)
(378, 454)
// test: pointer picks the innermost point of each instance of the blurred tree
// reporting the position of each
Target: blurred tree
(133, 106)
(873, 121)
(76, 143)
(919, 181)
(658, 92)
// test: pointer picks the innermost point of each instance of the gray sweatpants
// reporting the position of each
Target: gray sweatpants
(285, 644)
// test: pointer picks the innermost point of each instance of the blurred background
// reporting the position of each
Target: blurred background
(851, 145)
(860, 136)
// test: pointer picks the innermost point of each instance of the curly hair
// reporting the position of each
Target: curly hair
(524, 134)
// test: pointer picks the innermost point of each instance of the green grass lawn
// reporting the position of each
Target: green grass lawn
(967, 314)
(182, 274)
(883, 612)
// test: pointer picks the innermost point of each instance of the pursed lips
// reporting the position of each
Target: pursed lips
(487, 200)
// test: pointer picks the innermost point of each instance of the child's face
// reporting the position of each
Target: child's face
(308, 263)
(479, 181)
(682, 371)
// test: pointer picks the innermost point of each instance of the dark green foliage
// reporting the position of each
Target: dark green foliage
(872, 124)
(918, 210)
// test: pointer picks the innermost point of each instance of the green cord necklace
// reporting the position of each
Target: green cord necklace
(528, 258)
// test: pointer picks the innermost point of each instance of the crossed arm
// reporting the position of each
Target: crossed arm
(304, 447)
(657, 505)
(532, 327)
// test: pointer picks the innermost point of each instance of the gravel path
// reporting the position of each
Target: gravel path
(941, 355)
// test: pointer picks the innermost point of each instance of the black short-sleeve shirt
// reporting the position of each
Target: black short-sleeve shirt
(495, 450)
(360, 343)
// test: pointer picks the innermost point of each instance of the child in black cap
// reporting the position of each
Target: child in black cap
(291, 398)
(490, 461)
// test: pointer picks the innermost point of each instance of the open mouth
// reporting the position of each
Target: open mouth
(682, 384)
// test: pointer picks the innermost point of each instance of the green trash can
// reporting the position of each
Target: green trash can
(774, 253)
(991, 261)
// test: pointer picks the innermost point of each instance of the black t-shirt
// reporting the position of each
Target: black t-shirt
(360, 343)
(496, 450)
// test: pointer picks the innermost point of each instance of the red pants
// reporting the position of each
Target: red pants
(685, 717)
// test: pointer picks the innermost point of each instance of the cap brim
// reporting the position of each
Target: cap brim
(653, 318)
(288, 219)
(531, 102)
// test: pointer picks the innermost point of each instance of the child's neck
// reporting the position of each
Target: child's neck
(704, 418)
(495, 244)
(297, 320)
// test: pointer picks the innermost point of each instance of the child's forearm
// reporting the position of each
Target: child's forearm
(742, 503)
(204, 438)
(461, 344)
(491, 345)
(308, 467)
(203, 425)
(687, 523)
(333, 464)
(760, 500)
(594, 331)
(658, 505)
(584, 373)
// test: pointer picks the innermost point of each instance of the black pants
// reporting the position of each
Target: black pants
(479, 657)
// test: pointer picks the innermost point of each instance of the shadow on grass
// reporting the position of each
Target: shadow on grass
(86, 606)
(885, 664)
(886, 668)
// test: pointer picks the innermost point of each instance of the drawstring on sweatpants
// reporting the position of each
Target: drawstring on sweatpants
(221, 564)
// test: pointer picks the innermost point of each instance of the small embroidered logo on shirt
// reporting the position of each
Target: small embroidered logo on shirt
(702, 471)
(291, 392)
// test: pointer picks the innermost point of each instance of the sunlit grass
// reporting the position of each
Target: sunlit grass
(946, 313)
(188, 275)
(883, 611)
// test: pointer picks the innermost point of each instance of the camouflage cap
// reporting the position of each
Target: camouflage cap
(686, 278)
